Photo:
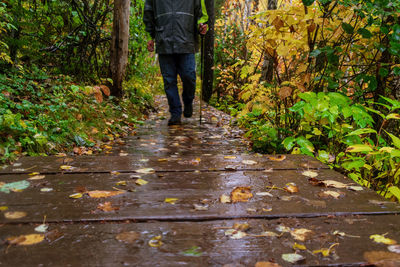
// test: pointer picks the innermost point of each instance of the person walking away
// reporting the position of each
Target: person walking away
(174, 27)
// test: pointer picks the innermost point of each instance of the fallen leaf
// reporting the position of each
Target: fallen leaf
(334, 194)
(249, 162)
(266, 209)
(121, 183)
(14, 186)
(235, 234)
(301, 234)
(382, 258)
(200, 207)
(144, 160)
(382, 239)
(241, 194)
(325, 251)
(34, 173)
(66, 167)
(115, 173)
(355, 188)
(263, 194)
(123, 154)
(54, 235)
(76, 195)
(335, 184)
(15, 214)
(230, 157)
(291, 188)
(42, 228)
(241, 226)
(128, 237)
(394, 248)
(101, 194)
(282, 229)
(315, 181)
(194, 251)
(106, 206)
(225, 199)
(26, 240)
(266, 264)
(145, 170)
(37, 177)
(293, 257)
(141, 182)
(171, 200)
(277, 158)
(155, 241)
(162, 160)
(344, 234)
(269, 234)
(297, 246)
(310, 174)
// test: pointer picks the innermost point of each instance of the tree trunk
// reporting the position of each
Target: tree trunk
(208, 57)
(267, 71)
(119, 45)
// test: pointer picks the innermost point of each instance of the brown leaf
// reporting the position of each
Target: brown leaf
(285, 92)
(382, 258)
(128, 237)
(106, 206)
(105, 89)
(54, 235)
(241, 194)
(291, 188)
(97, 94)
(315, 181)
(278, 23)
(311, 27)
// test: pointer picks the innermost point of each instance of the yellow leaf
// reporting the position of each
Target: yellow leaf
(241, 194)
(382, 239)
(230, 157)
(162, 160)
(278, 158)
(171, 200)
(26, 240)
(34, 173)
(76, 195)
(101, 194)
(141, 182)
(299, 246)
(3, 208)
(65, 167)
(123, 183)
(155, 241)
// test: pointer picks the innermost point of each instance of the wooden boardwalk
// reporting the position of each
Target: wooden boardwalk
(190, 195)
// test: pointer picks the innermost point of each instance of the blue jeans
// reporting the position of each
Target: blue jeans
(171, 66)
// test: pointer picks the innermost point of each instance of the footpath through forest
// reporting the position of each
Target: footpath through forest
(190, 195)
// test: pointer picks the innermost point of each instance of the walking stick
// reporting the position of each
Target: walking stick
(201, 72)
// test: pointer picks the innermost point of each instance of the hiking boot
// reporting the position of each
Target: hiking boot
(188, 111)
(174, 120)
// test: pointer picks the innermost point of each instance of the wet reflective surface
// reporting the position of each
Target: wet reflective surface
(169, 183)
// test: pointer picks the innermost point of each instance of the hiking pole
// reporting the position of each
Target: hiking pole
(201, 72)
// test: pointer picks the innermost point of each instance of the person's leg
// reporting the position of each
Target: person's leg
(186, 68)
(168, 67)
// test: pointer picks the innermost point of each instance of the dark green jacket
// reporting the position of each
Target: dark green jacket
(173, 24)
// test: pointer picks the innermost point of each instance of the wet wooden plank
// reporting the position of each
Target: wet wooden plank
(97, 244)
(200, 162)
(146, 202)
